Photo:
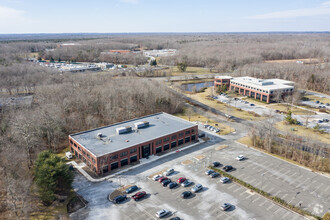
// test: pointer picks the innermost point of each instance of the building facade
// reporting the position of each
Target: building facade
(108, 148)
(267, 90)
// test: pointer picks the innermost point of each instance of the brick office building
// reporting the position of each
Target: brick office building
(108, 148)
(263, 89)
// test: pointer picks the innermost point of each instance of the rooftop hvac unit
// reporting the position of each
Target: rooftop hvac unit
(141, 124)
(123, 130)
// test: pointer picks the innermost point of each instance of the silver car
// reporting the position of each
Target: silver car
(168, 172)
(224, 179)
(162, 213)
(197, 188)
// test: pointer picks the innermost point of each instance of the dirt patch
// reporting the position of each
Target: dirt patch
(76, 203)
(199, 157)
(221, 147)
(186, 162)
(118, 192)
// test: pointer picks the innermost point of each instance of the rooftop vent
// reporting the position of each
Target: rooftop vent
(141, 124)
(99, 135)
(123, 130)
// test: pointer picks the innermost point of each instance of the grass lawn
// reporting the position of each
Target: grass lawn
(224, 129)
(314, 98)
(304, 132)
(294, 110)
(202, 97)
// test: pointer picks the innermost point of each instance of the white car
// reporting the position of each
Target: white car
(157, 177)
(240, 157)
(68, 155)
(162, 213)
(224, 179)
(168, 172)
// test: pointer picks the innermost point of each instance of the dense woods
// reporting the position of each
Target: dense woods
(68, 103)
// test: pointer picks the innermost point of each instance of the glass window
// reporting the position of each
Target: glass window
(133, 150)
(114, 156)
(173, 137)
(158, 142)
(123, 153)
(166, 139)
(187, 132)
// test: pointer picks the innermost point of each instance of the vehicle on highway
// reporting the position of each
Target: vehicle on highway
(197, 188)
(162, 213)
(240, 157)
(186, 183)
(139, 195)
(157, 177)
(227, 168)
(168, 172)
(224, 179)
(166, 182)
(228, 116)
(131, 189)
(162, 179)
(119, 199)
(216, 164)
(209, 172)
(171, 185)
(214, 175)
(181, 180)
(186, 194)
(226, 206)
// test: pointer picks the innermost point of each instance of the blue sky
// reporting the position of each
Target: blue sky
(121, 16)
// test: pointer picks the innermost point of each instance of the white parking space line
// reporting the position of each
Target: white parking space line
(253, 201)
(286, 214)
(271, 206)
(240, 176)
(238, 189)
(231, 186)
(283, 197)
(263, 203)
(243, 193)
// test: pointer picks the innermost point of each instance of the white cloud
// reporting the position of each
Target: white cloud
(10, 13)
(323, 9)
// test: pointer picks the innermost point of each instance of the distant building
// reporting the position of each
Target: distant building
(107, 148)
(264, 89)
(104, 66)
(120, 51)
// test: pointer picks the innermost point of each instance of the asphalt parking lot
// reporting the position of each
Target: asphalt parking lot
(206, 204)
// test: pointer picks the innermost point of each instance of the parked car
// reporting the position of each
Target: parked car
(206, 126)
(166, 182)
(162, 179)
(320, 121)
(224, 179)
(201, 135)
(197, 188)
(226, 206)
(139, 195)
(228, 116)
(317, 102)
(157, 177)
(171, 185)
(175, 218)
(186, 183)
(186, 194)
(131, 189)
(119, 199)
(162, 213)
(327, 104)
(227, 168)
(209, 172)
(326, 120)
(251, 104)
(181, 180)
(214, 175)
(216, 164)
(240, 157)
(168, 172)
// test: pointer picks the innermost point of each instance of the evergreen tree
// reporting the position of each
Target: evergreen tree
(52, 175)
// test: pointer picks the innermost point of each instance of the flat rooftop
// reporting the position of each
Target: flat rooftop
(160, 124)
(265, 84)
(223, 77)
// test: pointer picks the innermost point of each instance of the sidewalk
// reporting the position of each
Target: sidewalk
(143, 161)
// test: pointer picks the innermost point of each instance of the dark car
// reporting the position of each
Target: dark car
(227, 168)
(317, 102)
(131, 189)
(209, 172)
(175, 218)
(215, 174)
(119, 199)
(166, 182)
(172, 185)
(139, 195)
(162, 179)
(186, 194)
(216, 164)
(251, 104)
